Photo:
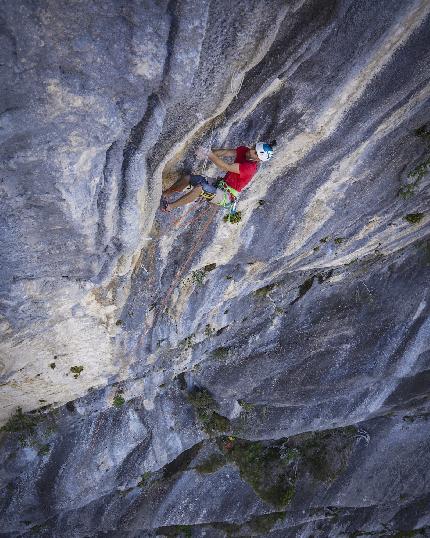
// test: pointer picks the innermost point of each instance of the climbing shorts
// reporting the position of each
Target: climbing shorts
(211, 192)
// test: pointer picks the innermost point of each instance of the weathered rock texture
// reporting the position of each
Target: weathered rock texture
(268, 378)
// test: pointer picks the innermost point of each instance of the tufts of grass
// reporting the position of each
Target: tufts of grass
(263, 468)
(76, 371)
(118, 400)
(414, 218)
(406, 191)
(144, 479)
(198, 277)
(187, 342)
(21, 422)
(206, 407)
(234, 218)
(209, 330)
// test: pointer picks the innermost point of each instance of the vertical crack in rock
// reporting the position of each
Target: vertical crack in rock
(138, 192)
(107, 204)
(170, 45)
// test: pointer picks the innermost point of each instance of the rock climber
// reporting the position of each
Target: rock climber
(220, 191)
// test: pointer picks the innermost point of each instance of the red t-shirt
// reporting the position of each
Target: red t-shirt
(247, 170)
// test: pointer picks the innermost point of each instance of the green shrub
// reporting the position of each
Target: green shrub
(20, 422)
(414, 218)
(118, 400)
(205, 407)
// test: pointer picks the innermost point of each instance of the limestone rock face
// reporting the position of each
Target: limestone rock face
(178, 375)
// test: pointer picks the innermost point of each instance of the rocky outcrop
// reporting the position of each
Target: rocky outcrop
(180, 375)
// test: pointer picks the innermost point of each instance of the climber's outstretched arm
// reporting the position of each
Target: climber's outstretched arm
(203, 153)
(222, 164)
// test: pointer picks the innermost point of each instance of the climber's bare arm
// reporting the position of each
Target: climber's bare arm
(224, 152)
(212, 155)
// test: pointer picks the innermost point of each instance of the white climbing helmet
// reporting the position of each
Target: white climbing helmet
(264, 151)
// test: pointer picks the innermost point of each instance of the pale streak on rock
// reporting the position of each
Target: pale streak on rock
(66, 341)
(318, 211)
(420, 308)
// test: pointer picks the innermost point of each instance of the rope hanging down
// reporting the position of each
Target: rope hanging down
(181, 269)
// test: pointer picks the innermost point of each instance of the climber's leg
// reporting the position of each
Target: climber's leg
(178, 186)
(186, 199)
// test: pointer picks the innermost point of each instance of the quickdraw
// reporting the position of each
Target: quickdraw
(221, 184)
(229, 201)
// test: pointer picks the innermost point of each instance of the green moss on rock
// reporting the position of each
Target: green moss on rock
(262, 292)
(265, 523)
(326, 454)
(246, 406)
(176, 531)
(43, 450)
(220, 353)
(211, 464)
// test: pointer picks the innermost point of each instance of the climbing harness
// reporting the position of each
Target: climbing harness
(229, 202)
(207, 195)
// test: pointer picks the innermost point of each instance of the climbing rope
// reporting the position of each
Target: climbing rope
(181, 269)
(179, 220)
(190, 254)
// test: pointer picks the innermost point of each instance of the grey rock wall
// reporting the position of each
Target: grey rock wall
(183, 376)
